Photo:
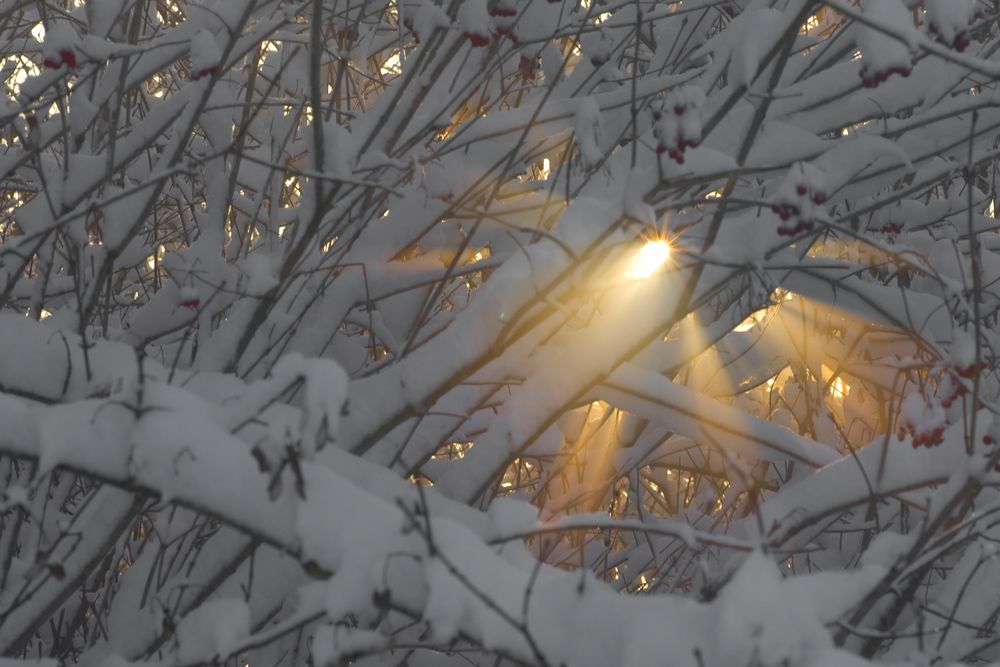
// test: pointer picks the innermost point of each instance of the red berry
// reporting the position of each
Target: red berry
(476, 39)
(800, 190)
(193, 302)
(69, 57)
(48, 63)
(819, 198)
(987, 440)
(680, 109)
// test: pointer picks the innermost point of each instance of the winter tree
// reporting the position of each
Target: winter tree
(499, 332)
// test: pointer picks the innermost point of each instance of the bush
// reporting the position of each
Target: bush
(499, 332)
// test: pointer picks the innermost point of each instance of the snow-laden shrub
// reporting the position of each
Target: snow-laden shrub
(619, 332)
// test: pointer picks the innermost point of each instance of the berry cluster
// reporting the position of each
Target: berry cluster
(408, 24)
(476, 23)
(204, 71)
(677, 123)
(988, 441)
(955, 36)
(922, 419)
(503, 13)
(951, 390)
(65, 57)
(797, 198)
(476, 39)
(892, 228)
(423, 19)
(504, 8)
(188, 298)
(926, 419)
(928, 439)
(870, 79)
(677, 152)
(796, 229)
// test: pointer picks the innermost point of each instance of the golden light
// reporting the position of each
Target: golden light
(546, 170)
(392, 65)
(837, 388)
(650, 258)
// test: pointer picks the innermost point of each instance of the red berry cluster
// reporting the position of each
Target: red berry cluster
(788, 209)
(797, 228)
(923, 420)
(674, 147)
(968, 372)
(191, 303)
(476, 39)
(503, 9)
(961, 41)
(66, 57)
(408, 24)
(873, 79)
(952, 388)
(892, 228)
(931, 438)
(988, 440)
(676, 154)
(204, 71)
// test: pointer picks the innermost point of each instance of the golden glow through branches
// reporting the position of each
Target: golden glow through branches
(650, 258)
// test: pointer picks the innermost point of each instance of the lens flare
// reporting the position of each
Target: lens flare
(649, 259)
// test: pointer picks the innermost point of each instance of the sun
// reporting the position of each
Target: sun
(649, 259)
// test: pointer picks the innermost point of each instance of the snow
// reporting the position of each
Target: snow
(331, 644)
(474, 19)
(950, 18)
(881, 52)
(430, 412)
(215, 628)
(325, 396)
(206, 54)
(755, 619)
(887, 548)
(587, 131)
